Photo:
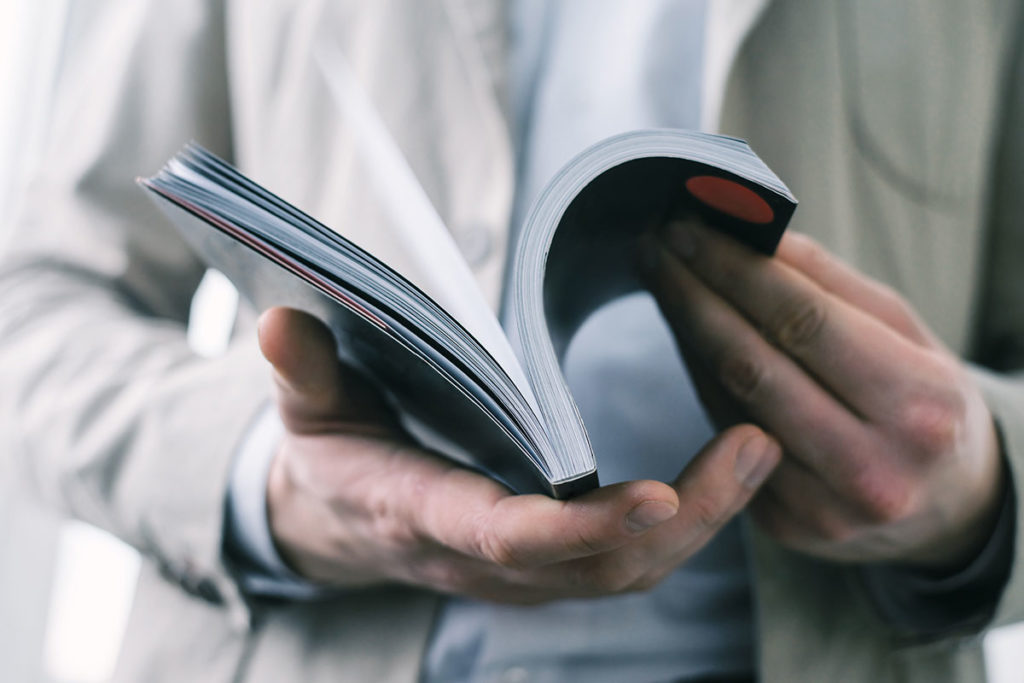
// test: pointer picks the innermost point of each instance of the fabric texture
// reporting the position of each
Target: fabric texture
(894, 123)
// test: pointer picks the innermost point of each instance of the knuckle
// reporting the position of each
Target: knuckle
(814, 257)
(387, 521)
(496, 548)
(892, 300)
(895, 309)
(933, 425)
(741, 374)
(580, 542)
(393, 531)
(708, 513)
(798, 322)
(387, 507)
(884, 499)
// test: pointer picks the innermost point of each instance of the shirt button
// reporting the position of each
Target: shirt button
(475, 243)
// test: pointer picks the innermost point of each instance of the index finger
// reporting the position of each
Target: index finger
(475, 516)
(858, 358)
(810, 258)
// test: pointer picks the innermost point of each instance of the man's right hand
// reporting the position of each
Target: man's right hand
(353, 502)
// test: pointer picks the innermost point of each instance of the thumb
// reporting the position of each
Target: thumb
(723, 478)
(313, 387)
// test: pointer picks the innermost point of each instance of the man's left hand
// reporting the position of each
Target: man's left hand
(890, 452)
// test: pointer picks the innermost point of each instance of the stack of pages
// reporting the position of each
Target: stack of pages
(492, 401)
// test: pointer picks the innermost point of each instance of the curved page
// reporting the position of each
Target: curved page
(579, 244)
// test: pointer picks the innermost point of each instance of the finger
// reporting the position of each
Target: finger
(542, 548)
(810, 258)
(774, 519)
(314, 389)
(522, 531)
(719, 405)
(797, 531)
(768, 385)
(827, 515)
(717, 484)
(862, 361)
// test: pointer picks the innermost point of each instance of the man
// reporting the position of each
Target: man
(893, 473)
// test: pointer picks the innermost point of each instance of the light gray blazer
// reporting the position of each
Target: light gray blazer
(897, 124)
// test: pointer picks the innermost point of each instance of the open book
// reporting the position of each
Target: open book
(493, 401)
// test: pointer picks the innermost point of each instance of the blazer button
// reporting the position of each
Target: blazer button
(207, 590)
(169, 572)
(475, 243)
(201, 587)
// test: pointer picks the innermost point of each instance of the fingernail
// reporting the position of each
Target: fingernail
(647, 514)
(755, 461)
(682, 240)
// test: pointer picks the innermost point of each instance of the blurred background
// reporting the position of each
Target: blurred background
(66, 587)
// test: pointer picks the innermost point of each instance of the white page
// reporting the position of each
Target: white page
(442, 272)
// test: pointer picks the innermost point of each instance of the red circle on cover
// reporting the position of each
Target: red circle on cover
(730, 198)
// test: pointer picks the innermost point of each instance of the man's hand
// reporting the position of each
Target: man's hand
(891, 454)
(352, 502)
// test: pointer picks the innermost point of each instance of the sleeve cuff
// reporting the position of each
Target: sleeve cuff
(928, 605)
(249, 547)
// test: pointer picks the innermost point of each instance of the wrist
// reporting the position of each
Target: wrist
(971, 528)
(248, 545)
(281, 505)
(307, 532)
(929, 603)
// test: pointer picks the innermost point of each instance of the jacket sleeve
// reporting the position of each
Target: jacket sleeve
(112, 416)
(999, 341)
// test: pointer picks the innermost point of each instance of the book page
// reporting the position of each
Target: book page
(442, 272)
